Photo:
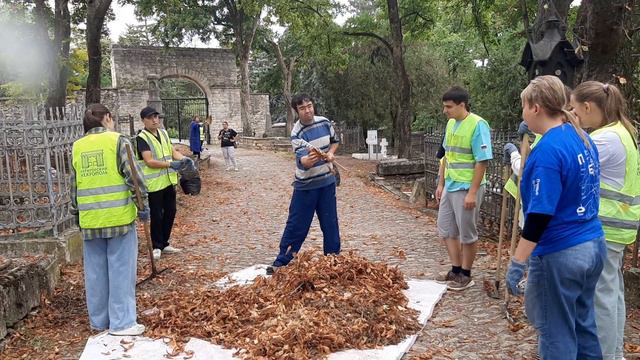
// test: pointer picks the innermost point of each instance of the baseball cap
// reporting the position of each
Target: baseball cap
(148, 111)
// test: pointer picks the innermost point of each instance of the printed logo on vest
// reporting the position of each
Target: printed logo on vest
(93, 163)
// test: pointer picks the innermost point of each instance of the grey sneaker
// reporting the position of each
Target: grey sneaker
(171, 250)
(444, 278)
(135, 330)
(460, 283)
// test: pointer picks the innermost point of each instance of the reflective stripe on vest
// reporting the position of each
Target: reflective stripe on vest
(201, 132)
(511, 186)
(620, 208)
(103, 197)
(458, 152)
(158, 179)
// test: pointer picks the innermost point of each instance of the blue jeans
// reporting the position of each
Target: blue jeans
(559, 301)
(110, 280)
(305, 203)
(609, 304)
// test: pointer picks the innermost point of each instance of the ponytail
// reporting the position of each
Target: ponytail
(93, 116)
(609, 99)
(570, 118)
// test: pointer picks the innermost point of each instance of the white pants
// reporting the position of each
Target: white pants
(609, 304)
(229, 153)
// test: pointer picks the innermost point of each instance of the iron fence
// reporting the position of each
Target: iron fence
(351, 139)
(490, 209)
(35, 168)
(178, 114)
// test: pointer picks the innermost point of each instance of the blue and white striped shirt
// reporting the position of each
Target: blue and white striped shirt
(319, 134)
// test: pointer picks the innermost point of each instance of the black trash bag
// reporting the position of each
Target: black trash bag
(190, 181)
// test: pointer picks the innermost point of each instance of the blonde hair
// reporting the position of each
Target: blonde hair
(553, 96)
(609, 99)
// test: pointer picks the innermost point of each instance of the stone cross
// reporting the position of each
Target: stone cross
(383, 147)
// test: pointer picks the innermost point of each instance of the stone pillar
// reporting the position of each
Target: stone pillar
(154, 92)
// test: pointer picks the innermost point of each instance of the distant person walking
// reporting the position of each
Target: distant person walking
(227, 137)
(102, 190)
(195, 137)
(207, 129)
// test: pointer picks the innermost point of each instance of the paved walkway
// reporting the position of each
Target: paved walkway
(252, 211)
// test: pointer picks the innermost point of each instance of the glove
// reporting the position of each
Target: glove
(144, 214)
(187, 162)
(524, 129)
(176, 164)
(514, 276)
(509, 148)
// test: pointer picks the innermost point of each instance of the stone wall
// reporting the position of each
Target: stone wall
(260, 114)
(214, 71)
(224, 105)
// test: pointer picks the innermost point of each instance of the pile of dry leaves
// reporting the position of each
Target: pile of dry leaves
(314, 306)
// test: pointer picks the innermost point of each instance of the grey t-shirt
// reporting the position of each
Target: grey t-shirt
(613, 158)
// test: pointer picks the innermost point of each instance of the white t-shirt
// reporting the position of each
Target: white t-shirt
(613, 158)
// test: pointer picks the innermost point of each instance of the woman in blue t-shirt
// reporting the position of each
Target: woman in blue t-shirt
(562, 238)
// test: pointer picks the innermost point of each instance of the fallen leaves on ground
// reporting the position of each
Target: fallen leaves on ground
(314, 306)
(631, 348)
(434, 353)
(40, 336)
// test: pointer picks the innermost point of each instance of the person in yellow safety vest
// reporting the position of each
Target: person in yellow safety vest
(102, 191)
(461, 185)
(602, 107)
(160, 163)
(511, 156)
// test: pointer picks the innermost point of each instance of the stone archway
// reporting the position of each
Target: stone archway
(181, 98)
(213, 70)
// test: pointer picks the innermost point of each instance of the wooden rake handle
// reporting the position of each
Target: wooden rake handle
(140, 204)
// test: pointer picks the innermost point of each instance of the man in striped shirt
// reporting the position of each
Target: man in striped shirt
(314, 187)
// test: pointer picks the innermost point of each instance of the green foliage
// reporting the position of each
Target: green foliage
(174, 88)
(172, 132)
(78, 67)
(139, 35)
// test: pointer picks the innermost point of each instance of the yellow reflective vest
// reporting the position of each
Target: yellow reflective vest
(201, 126)
(620, 208)
(104, 199)
(158, 179)
(511, 186)
(458, 152)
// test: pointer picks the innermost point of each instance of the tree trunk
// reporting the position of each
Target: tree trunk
(244, 40)
(245, 95)
(600, 26)
(57, 95)
(96, 11)
(402, 124)
(287, 80)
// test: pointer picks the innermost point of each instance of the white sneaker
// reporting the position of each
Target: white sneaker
(171, 250)
(156, 254)
(236, 169)
(135, 330)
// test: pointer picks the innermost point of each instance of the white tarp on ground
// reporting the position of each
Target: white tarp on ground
(423, 296)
